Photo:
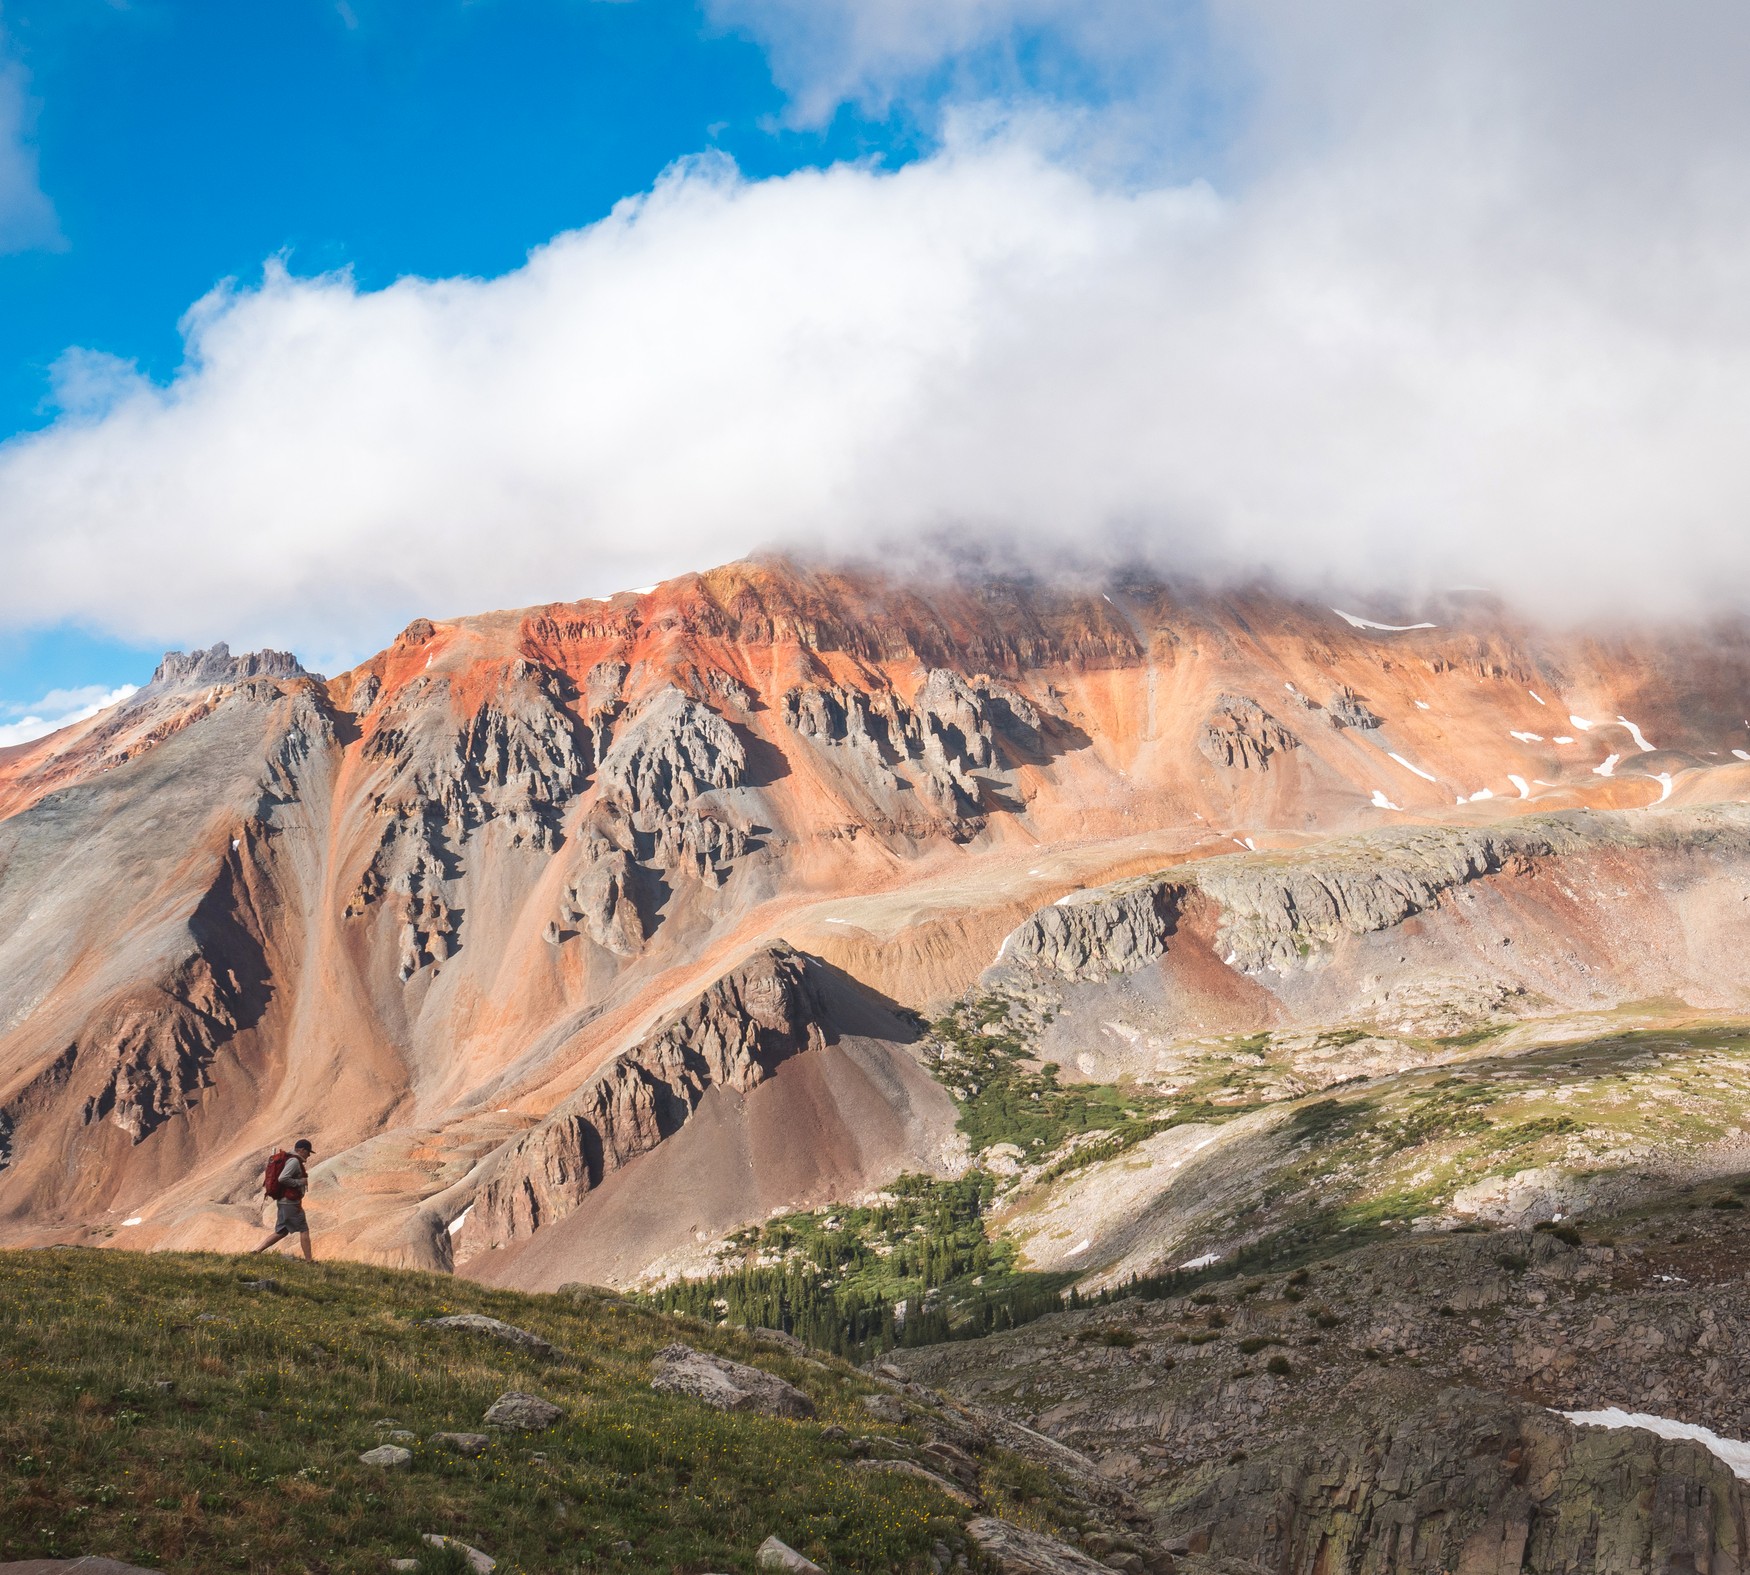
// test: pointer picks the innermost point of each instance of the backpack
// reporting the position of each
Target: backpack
(270, 1181)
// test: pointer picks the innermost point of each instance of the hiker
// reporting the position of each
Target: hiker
(288, 1179)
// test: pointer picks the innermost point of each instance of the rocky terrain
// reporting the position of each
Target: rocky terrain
(1419, 1404)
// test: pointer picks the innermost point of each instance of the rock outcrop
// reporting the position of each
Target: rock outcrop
(1278, 910)
(1404, 1407)
(734, 1035)
(934, 743)
(1092, 938)
(1348, 709)
(725, 1385)
(216, 665)
(514, 764)
(1239, 732)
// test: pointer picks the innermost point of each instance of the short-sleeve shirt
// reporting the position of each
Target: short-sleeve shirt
(294, 1179)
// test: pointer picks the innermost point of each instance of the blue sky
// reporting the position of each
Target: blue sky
(317, 316)
(183, 142)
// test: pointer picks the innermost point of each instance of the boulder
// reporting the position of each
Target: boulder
(776, 1555)
(726, 1385)
(885, 1408)
(504, 1333)
(522, 1413)
(391, 1457)
(909, 1468)
(480, 1563)
(1014, 1550)
(460, 1443)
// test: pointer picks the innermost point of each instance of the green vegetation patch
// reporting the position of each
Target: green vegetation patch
(915, 1268)
(154, 1410)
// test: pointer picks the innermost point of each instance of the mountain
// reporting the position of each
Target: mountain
(583, 937)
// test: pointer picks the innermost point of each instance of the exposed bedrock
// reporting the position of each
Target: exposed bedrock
(1278, 909)
(1239, 732)
(603, 901)
(1348, 709)
(733, 1035)
(947, 732)
(517, 761)
(1419, 1484)
(1091, 940)
(672, 750)
(216, 665)
(655, 783)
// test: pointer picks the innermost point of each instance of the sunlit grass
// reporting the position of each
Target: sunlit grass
(249, 1459)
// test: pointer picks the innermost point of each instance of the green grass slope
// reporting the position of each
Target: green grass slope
(154, 1409)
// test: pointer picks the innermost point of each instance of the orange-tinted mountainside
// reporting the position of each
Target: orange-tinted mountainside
(580, 935)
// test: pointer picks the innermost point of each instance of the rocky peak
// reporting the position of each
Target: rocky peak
(216, 665)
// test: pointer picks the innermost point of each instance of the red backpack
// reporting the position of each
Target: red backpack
(270, 1181)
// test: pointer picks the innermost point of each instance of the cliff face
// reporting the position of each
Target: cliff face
(1432, 1405)
(437, 911)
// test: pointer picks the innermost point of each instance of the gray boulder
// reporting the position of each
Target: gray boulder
(522, 1413)
(390, 1457)
(460, 1443)
(1013, 1550)
(726, 1385)
(504, 1333)
(480, 1563)
(776, 1555)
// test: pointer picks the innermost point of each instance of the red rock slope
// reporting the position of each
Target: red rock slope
(428, 911)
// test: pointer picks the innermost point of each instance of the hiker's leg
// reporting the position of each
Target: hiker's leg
(304, 1237)
(277, 1236)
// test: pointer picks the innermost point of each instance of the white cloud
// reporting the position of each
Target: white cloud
(826, 52)
(1464, 304)
(26, 217)
(57, 709)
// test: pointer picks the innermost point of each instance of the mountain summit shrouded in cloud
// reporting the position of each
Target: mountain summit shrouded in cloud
(1452, 297)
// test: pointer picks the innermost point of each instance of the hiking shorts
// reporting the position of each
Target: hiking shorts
(290, 1217)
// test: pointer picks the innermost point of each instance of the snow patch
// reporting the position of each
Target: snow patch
(1422, 705)
(1581, 723)
(1426, 776)
(455, 1225)
(1663, 778)
(1608, 768)
(1734, 1452)
(1537, 697)
(1742, 754)
(136, 1220)
(1062, 902)
(1521, 784)
(1079, 1248)
(838, 921)
(1561, 738)
(235, 844)
(643, 590)
(1215, 1257)
(1639, 737)
(1527, 738)
(1482, 793)
(1380, 801)
(1389, 628)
